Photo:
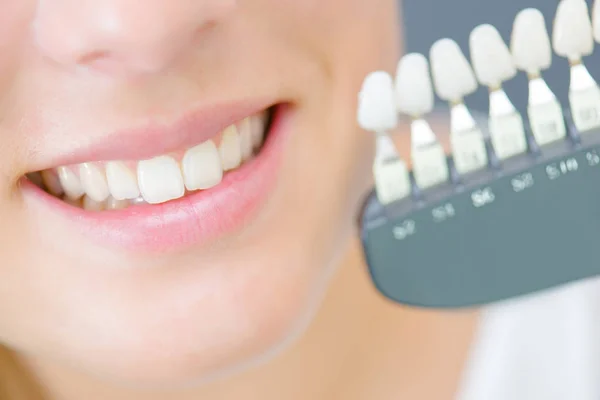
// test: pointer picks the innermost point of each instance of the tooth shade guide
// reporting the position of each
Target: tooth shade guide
(508, 135)
(584, 98)
(384, 147)
(507, 131)
(444, 239)
(392, 180)
(421, 133)
(469, 151)
(429, 161)
(503, 197)
(547, 122)
(585, 108)
(466, 140)
(545, 113)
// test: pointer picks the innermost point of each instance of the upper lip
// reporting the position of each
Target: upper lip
(157, 138)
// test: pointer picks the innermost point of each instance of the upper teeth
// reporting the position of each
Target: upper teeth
(161, 178)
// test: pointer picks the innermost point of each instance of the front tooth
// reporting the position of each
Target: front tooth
(70, 183)
(52, 182)
(230, 149)
(122, 183)
(246, 138)
(202, 166)
(160, 179)
(93, 182)
(92, 205)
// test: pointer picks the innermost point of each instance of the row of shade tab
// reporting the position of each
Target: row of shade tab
(383, 99)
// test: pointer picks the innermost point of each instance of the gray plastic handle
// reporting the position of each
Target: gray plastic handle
(530, 225)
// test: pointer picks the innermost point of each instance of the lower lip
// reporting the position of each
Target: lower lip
(193, 220)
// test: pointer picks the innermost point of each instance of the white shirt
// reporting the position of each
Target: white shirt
(541, 347)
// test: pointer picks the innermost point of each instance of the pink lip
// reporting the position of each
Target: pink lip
(195, 219)
(160, 138)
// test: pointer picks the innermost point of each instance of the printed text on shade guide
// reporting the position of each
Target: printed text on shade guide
(488, 221)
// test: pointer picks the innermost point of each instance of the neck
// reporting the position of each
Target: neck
(359, 345)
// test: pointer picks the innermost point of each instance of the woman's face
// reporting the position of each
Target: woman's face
(136, 257)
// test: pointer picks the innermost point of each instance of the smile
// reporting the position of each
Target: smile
(98, 186)
(182, 197)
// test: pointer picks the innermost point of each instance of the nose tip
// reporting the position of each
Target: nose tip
(123, 36)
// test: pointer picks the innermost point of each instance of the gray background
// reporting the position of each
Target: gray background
(429, 20)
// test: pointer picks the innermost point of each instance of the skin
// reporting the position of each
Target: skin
(280, 309)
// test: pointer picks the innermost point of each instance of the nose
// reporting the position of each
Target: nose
(123, 36)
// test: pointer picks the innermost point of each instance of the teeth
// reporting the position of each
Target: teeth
(376, 103)
(93, 182)
(160, 179)
(74, 202)
(70, 183)
(138, 201)
(52, 183)
(122, 182)
(114, 204)
(414, 94)
(92, 205)
(114, 185)
(453, 76)
(530, 43)
(202, 166)
(572, 36)
(246, 145)
(490, 56)
(230, 149)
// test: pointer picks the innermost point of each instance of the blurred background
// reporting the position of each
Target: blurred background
(426, 21)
